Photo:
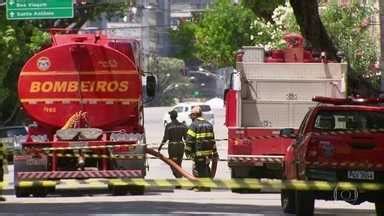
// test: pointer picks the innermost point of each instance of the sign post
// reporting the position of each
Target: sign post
(39, 9)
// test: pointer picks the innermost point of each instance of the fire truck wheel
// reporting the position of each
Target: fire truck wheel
(379, 207)
(288, 201)
(136, 190)
(242, 173)
(305, 203)
(22, 192)
(39, 192)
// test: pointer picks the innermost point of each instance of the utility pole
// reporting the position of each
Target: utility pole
(381, 8)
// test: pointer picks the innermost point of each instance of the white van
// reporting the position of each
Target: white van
(184, 109)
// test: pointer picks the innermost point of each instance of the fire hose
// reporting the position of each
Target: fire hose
(179, 169)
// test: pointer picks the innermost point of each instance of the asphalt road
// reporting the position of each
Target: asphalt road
(177, 202)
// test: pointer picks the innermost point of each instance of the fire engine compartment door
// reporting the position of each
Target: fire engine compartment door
(273, 114)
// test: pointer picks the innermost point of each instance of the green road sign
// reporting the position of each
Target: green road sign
(39, 9)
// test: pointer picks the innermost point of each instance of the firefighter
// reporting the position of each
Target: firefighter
(2, 166)
(174, 133)
(201, 146)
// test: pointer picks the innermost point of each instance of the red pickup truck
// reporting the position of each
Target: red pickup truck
(339, 140)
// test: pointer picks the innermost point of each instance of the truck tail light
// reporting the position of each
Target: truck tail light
(39, 138)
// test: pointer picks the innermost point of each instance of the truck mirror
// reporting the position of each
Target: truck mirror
(236, 81)
(151, 86)
(288, 132)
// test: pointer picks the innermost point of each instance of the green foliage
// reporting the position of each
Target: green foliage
(284, 19)
(262, 8)
(222, 30)
(226, 27)
(184, 40)
(270, 34)
(348, 27)
(171, 82)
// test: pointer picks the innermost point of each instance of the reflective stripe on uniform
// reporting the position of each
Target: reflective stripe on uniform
(191, 133)
(180, 142)
(204, 153)
(204, 135)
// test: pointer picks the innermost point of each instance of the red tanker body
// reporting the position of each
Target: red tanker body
(85, 95)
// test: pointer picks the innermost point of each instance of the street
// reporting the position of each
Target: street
(178, 202)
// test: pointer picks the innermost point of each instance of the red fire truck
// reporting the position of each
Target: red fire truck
(84, 93)
(270, 91)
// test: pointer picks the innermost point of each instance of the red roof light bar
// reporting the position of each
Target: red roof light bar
(348, 100)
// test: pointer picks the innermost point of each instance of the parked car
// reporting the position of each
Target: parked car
(12, 137)
(184, 109)
(339, 140)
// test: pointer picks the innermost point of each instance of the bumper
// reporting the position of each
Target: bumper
(254, 160)
(79, 174)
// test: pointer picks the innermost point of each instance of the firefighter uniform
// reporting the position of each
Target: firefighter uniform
(175, 135)
(201, 147)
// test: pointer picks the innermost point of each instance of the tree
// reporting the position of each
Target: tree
(183, 39)
(261, 8)
(348, 27)
(381, 7)
(171, 82)
(270, 34)
(308, 17)
(224, 29)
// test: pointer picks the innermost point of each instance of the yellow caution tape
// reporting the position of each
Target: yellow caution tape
(37, 184)
(209, 183)
(3, 184)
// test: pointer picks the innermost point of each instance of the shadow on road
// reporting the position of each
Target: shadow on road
(156, 207)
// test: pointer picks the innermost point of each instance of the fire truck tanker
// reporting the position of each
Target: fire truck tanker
(84, 93)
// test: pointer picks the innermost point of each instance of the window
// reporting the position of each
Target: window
(304, 122)
(349, 120)
(205, 108)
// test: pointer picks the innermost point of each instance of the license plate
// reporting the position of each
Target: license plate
(362, 175)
